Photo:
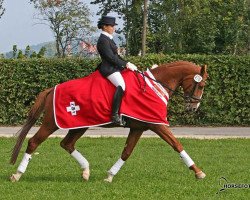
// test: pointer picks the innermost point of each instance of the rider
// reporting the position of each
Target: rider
(112, 64)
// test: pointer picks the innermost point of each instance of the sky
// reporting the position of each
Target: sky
(18, 26)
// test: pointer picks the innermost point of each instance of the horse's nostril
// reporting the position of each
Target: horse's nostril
(194, 109)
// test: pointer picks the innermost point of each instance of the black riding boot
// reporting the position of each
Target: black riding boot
(116, 105)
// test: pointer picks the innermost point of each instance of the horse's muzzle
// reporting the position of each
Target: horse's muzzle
(192, 107)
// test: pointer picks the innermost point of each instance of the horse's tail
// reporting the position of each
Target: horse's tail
(33, 116)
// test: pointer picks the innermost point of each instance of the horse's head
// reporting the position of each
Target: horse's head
(193, 86)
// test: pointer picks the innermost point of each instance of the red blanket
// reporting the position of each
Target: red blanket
(87, 101)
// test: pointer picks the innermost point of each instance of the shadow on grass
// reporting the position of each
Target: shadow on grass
(72, 178)
(48, 178)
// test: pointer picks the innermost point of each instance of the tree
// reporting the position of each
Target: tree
(180, 26)
(232, 19)
(199, 26)
(20, 54)
(144, 32)
(68, 20)
(14, 49)
(33, 54)
(27, 52)
(135, 24)
(41, 53)
(184, 26)
(2, 9)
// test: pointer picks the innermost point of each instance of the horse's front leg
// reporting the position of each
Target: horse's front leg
(133, 137)
(68, 143)
(165, 133)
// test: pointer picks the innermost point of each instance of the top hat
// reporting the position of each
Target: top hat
(106, 20)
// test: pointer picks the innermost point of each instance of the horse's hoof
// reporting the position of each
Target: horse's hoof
(15, 177)
(200, 175)
(86, 174)
(109, 179)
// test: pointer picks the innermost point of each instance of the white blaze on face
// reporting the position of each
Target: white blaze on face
(198, 104)
(201, 94)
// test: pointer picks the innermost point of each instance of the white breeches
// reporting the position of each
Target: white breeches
(117, 79)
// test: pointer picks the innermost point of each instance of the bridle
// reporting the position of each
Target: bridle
(190, 98)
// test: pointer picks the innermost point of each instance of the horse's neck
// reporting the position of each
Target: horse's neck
(170, 77)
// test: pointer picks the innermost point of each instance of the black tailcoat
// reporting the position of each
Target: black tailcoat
(111, 61)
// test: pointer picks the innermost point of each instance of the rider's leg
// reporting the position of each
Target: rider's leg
(117, 79)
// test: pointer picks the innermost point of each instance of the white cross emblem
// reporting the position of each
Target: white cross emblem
(73, 108)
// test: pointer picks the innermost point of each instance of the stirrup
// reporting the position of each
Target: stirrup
(116, 119)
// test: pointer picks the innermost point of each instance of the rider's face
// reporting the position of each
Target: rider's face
(109, 29)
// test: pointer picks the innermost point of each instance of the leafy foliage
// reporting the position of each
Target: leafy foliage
(22, 80)
(185, 26)
(68, 20)
(225, 100)
(28, 53)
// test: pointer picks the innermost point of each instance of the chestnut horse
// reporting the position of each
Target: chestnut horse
(190, 77)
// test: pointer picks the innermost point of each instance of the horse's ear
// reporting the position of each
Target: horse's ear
(203, 69)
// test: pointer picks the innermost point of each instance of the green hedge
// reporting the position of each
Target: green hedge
(225, 100)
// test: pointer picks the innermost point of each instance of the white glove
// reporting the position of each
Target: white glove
(131, 66)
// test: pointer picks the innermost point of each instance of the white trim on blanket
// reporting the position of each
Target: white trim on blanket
(158, 84)
(143, 120)
(84, 126)
(54, 106)
(158, 93)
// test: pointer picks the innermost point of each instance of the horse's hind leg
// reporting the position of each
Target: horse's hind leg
(133, 137)
(47, 128)
(68, 143)
(165, 133)
(42, 134)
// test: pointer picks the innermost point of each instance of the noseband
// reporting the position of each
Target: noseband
(190, 98)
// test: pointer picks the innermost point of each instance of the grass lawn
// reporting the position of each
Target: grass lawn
(154, 171)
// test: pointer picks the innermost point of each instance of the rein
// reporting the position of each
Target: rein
(187, 98)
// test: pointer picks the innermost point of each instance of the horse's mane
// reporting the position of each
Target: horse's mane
(177, 67)
(178, 64)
